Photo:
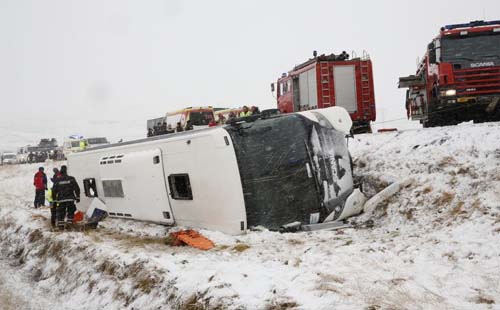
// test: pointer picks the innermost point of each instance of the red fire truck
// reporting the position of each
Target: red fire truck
(330, 80)
(459, 77)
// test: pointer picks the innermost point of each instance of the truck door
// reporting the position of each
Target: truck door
(134, 186)
(344, 78)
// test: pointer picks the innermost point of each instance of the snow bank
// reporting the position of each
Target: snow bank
(434, 245)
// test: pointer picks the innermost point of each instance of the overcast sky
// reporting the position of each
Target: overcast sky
(117, 59)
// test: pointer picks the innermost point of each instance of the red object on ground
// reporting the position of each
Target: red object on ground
(192, 238)
(78, 217)
(387, 129)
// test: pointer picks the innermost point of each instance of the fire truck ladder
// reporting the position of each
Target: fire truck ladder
(325, 83)
(365, 83)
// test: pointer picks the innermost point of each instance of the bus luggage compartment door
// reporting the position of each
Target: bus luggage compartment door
(134, 186)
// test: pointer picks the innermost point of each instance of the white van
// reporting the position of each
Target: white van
(71, 145)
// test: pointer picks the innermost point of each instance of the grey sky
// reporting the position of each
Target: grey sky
(122, 59)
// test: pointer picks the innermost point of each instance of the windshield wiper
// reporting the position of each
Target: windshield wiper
(463, 58)
(492, 55)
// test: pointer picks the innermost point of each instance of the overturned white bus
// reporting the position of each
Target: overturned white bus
(257, 172)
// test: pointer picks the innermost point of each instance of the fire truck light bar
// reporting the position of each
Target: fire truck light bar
(476, 23)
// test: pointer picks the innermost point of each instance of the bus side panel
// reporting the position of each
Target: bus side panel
(217, 195)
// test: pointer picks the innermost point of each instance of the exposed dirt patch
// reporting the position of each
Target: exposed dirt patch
(445, 199)
(241, 247)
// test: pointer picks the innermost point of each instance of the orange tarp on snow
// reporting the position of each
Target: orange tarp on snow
(192, 238)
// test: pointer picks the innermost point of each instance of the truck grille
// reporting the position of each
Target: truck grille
(480, 81)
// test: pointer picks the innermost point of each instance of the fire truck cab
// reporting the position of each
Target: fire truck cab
(459, 77)
(330, 80)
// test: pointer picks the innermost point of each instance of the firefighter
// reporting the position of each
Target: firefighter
(50, 197)
(40, 182)
(65, 192)
(245, 112)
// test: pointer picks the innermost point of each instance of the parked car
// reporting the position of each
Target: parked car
(9, 158)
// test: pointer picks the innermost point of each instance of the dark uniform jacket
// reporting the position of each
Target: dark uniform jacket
(66, 189)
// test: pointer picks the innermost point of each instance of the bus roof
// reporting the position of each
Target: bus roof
(189, 109)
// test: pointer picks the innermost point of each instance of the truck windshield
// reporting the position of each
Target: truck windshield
(9, 156)
(200, 118)
(464, 50)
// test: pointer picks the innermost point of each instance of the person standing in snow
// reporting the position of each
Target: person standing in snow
(40, 182)
(65, 192)
(245, 112)
(222, 119)
(212, 122)
(231, 117)
(179, 127)
(254, 110)
(50, 196)
(189, 125)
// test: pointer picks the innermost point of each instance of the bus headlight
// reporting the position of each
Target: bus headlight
(450, 93)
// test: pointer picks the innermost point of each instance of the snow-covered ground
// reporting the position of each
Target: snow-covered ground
(435, 245)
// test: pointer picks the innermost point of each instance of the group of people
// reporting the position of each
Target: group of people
(163, 128)
(245, 111)
(61, 196)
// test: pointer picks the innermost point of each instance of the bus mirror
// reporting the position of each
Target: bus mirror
(272, 87)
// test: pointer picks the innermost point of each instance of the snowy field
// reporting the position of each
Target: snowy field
(435, 245)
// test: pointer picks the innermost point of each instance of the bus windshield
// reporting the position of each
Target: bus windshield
(200, 118)
(484, 48)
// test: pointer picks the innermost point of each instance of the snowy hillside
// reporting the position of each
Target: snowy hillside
(432, 246)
